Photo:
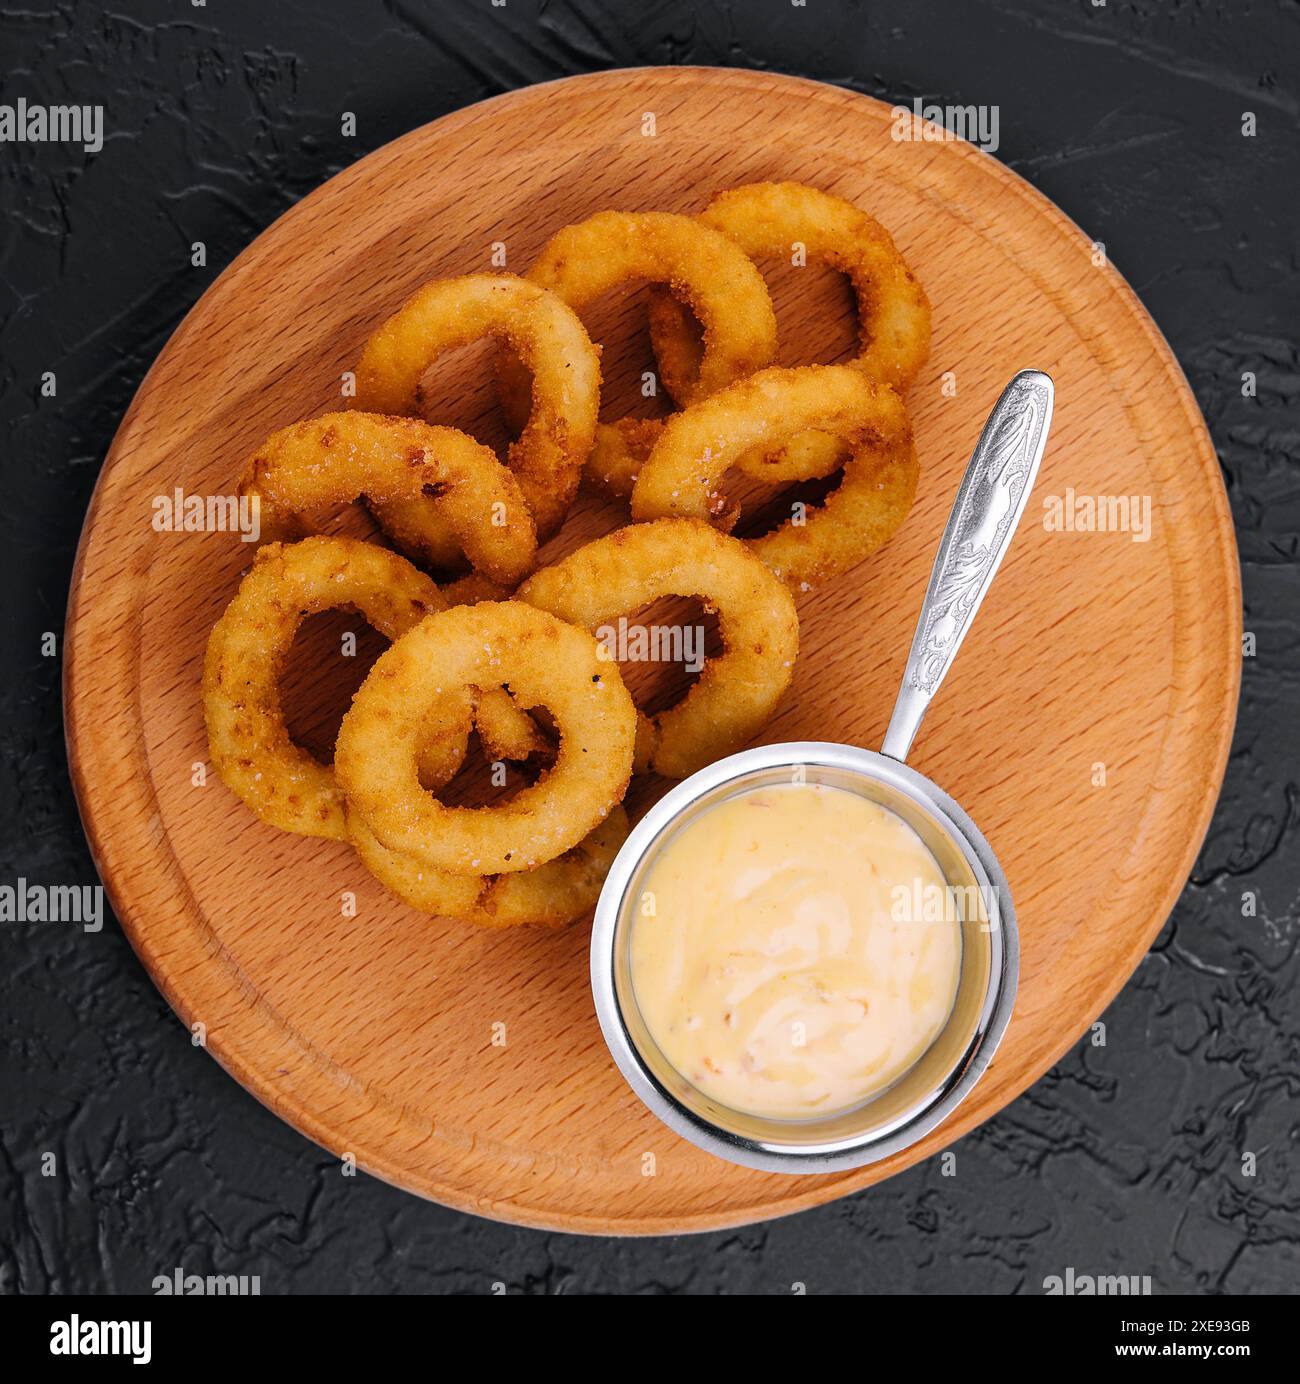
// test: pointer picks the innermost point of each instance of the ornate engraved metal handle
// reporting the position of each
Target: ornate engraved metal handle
(984, 516)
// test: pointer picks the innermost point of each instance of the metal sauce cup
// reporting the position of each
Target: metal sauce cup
(984, 517)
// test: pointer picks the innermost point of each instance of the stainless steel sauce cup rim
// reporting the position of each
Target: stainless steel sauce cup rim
(989, 503)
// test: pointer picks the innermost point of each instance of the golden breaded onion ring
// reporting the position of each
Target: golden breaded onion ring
(699, 445)
(247, 651)
(700, 265)
(736, 692)
(547, 897)
(547, 336)
(340, 457)
(413, 689)
(767, 221)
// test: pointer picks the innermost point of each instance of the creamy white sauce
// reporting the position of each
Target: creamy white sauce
(778, 955)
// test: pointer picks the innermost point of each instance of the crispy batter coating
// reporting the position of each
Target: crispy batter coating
(247, 650)
(736, 692)
(339, 457)
(415, 686)
(698, 446)
(622, 449)
(547, 897)
(475, 587)
(553, 345)
(767, 221)
(698, 264)
(504, 729)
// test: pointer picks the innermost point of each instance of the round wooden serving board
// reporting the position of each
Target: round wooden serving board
(1096, 655)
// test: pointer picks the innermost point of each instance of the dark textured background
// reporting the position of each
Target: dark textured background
(1125, 1159)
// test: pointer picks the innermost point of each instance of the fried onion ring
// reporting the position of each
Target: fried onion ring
(547, 897)
(699, 445)
(737, 692)
(247, 651)
(340, 457)
(553, 344)
(415, 686)
(700, 265)
(768, 220)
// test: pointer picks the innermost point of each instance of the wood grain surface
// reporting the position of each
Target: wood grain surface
(1085, 726)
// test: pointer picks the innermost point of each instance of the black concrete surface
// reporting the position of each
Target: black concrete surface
(1127, 1159)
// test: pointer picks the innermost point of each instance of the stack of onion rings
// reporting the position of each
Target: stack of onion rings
(465, 657)
(247, 652)
(768, 221)
(290, 789)
(414, 690)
